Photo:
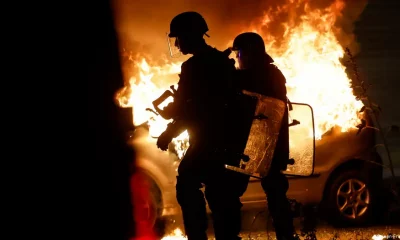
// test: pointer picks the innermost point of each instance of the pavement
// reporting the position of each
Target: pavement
(262, 228)
(257, 225)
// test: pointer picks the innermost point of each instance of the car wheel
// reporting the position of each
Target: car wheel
(148, 203)
(352, 199)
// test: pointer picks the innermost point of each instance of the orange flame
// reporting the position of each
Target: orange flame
(308, 55)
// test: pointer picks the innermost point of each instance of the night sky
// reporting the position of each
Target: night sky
(378, 34)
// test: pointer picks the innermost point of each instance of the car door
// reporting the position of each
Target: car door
(302, 149)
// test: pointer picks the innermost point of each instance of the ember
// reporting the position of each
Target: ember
(176, 235)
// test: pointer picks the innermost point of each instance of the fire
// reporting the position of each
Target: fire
(176, 235)
(381, 237)
(378, 237)
(308, 55)
(143, 89)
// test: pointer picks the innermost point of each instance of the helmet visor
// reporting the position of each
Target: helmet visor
(173, 46)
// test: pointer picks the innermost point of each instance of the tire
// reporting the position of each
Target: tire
(148, 202)
(354, 206)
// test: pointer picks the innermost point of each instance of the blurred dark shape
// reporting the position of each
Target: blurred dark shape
(108, 126)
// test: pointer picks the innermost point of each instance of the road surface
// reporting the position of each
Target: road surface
(260, 228)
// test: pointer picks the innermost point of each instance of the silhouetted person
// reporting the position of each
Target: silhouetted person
(205, 85)
(257, 74)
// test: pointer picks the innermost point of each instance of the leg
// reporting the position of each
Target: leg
(223, 194)
(275, 186)
(193, 205)
(309, 222)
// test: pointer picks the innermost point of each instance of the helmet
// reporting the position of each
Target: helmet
(188, 23)
(249, 41)
(250, 50)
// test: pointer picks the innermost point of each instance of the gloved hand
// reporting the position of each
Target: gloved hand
(227, 52)
(168, 111)
(163, 140)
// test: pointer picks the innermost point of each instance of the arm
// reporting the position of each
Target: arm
(279, 86)
(176, 111)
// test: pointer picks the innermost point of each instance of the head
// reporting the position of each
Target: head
(186, 33)
(250, 50)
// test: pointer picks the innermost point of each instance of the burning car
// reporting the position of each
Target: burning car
(345, 180)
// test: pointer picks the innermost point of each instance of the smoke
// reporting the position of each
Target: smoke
(147, 22)
(142, 25)
(345, 23)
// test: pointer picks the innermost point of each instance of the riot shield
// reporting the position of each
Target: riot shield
(262, 137)
(301, 140)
